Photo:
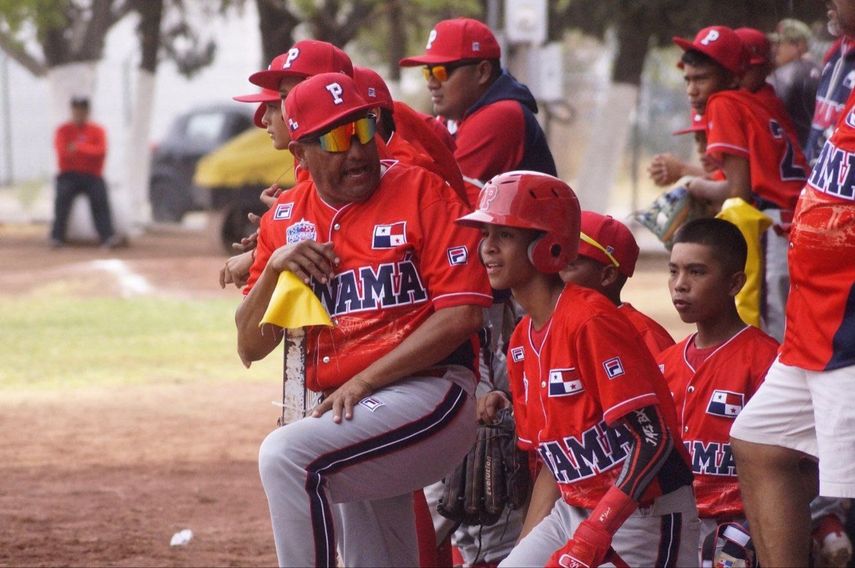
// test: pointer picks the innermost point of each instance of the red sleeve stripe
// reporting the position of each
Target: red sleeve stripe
(727, 149)
(615, 413)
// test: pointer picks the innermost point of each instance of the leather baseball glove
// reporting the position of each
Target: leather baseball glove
(493, 476)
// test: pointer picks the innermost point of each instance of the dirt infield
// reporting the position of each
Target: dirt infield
(105, 476)
(99, 477)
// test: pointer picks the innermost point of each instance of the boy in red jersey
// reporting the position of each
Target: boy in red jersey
(758, 150)
(405, 299)
(607, 256)
(586, 394)
(713, 372)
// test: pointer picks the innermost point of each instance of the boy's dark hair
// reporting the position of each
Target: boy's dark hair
(720, 235)
(697, 59)
(80, 102)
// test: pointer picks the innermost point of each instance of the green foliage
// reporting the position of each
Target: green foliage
(43, 13)
(54, 339)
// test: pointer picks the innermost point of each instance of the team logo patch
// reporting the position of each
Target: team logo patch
(725, 403)
(662, 368)
(457, 255)
(389, 236)
(564, 382)
(371, 403)
(283, 211)
(517, 354)
(301, 231)
(613, 367)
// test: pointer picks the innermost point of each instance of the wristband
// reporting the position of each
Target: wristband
(612, 510)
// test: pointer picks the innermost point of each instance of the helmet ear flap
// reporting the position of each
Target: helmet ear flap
(547, 254)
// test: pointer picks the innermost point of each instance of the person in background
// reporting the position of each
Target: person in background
(81, 147)
(796, 76)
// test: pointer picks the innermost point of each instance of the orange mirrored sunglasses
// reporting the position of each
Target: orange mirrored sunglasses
(442, 72)
(340, 138)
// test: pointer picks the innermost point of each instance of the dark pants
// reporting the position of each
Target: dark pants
(68, 186)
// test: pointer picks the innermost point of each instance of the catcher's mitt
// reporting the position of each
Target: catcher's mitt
(670, 211)
(493, 476)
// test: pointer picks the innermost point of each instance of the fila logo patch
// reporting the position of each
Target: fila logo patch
(283, 211)
(389, 236)
(564, 382)
(725, 403)
(371, 403)
(372, 92)
(517, 354)
(457, 255)
(613, 367)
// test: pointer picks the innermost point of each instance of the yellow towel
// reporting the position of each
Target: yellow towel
(293, 305)
(751, 223)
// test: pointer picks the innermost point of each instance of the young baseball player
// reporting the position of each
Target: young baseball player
(586, 393)
(757, 148)
(713, 372)
(395, 369)
(607, 256)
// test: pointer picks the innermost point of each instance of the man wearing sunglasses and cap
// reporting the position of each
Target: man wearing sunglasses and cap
(395, 367)
(496, 130)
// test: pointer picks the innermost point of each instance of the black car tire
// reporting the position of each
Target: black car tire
(169, 200)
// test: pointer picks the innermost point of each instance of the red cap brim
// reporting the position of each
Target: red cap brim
(261, 97)
(270, 79)
(426, 60)
(332, 119)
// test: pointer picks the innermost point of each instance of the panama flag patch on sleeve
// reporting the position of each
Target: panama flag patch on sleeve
(725, 403)
(564, 382)
(389, 236)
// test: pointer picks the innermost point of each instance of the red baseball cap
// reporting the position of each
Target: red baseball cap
(696, 124)
(607, 240)
(263, 96)
(320, 102)
(454, 40)
(758, 45)
(372, 87)
(306, 58)
(721, 44)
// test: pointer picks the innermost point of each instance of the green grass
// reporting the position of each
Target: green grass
(52, 341)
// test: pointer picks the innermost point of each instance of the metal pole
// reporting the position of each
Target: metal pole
(7, 120)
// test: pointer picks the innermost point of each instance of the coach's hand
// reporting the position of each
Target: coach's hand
(344, 399)
(489, 405)
(306, 259)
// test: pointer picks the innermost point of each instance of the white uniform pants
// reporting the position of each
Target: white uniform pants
(350, 484)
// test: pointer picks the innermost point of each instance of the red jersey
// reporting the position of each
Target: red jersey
(708, 399)
(739, 123)
(402, 258)
(400, 148)
(569, 396)
(655, 337)
(81, 148)
(820, 330)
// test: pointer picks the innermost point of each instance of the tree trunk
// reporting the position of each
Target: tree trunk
(276, 25)
(397, 38)
(133, 202)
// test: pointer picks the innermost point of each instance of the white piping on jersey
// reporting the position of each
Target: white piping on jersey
(625, 402)
(540, 362)
(691, 340)
(463, 294)
(730, 146)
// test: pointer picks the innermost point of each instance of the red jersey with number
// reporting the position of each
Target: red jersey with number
(708, 399)
(570, 394)
(740, 124)
(655, 337)
(402, 258)
(80, 148)
(820, 331)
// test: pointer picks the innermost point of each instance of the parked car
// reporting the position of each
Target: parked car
(229, 181)
(192, 135)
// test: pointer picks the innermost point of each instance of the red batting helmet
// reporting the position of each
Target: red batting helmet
(533, 200)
